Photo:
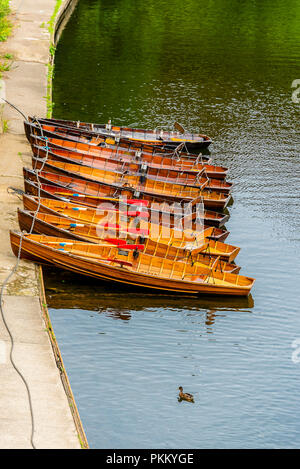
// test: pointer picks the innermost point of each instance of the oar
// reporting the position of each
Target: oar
(130, 230)
(179, 127)
(109, 226)
(103, 259)
(84, 209)
(129, 213)
(122, 243)
(109, 199)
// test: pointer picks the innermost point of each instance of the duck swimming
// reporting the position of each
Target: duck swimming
(185, 396)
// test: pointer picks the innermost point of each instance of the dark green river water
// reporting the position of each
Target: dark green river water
(227, 69)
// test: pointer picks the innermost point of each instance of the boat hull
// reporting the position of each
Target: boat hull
(76, 190)
(123, 153)
(29, 222)
(192, 142)
(157, 189)
(37, 252)
(85, 136)
(33, 204)
(156, 172)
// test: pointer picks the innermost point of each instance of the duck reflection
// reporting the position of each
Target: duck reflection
(125, 316)
(210, 319)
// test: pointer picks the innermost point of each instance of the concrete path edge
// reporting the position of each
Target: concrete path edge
(36, 352)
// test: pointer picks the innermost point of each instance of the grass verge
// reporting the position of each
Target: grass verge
(5, 30)
(51, 24)
(5, 24)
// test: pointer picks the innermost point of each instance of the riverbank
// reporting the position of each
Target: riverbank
(56, 423)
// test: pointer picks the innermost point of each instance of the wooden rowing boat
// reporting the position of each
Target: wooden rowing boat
(165, 190)
(199, 179)
(90, 215)
(119, 153)
(120, 164)
(92, 194)
(192, 141)
(111, 229)
(119, 218)
(129, 266)
(140, 225)
(127, 217)
(77, 135)
(156, 214)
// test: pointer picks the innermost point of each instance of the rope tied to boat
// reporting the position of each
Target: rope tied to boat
(15, 190)
(14, 107)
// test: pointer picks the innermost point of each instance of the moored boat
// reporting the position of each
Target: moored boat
(76, 135)
(196, 179)
(128, 265)
(165, 190)
(157, 243)
(192, 141)
(151, 170)
(91, 194)
(122, 153)
(90, 215)
(130, 206)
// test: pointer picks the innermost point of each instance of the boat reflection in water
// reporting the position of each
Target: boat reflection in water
(71, 291)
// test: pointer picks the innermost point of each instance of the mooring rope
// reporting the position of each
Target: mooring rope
(14, 107)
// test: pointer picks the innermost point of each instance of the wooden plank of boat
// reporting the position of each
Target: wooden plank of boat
(138, 269)
(123, 153)
(156, 245)
(140, 226)
(92, 194)
(129, 167)
(90, 215)
(109, 162)
(157, 216)
(208, 218)
(165, 190)
(192, 141)
(96, 139)
(118, 216)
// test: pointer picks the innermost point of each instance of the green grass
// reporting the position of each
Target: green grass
(52, 19)
(5, 125)
(51, 24)
(5, 24)
(4, 66)
(5, 29)
(48, 97)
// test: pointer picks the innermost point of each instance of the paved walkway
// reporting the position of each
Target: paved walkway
(25, 86)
